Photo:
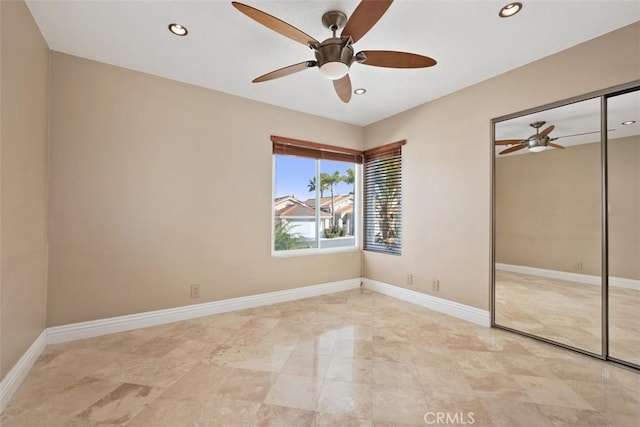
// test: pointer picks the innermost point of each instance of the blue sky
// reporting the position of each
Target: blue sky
(293, 175)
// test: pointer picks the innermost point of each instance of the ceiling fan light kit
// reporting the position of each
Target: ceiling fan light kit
(334, 70)
(335, 55)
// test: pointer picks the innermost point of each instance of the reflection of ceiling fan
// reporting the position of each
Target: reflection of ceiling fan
(536, 142)
(335, 55)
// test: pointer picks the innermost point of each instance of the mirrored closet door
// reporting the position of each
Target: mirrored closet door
(547, 225)
(623, 161)
(566, 224)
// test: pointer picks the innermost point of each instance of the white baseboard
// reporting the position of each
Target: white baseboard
(587, 279)
(10, 383)
(461, 311)
(623, 282)
(94, 328)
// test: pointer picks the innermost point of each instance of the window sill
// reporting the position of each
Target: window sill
(309, 252)
(382, 252)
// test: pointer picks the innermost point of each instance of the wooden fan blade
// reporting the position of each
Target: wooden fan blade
(512, 149)
(508, 142)
(547, 131)
(275, 24)
(365, 17)
(343, 88)
(285, 71)
(551, 144)
(393, 59)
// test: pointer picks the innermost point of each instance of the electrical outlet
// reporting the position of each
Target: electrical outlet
(195, 291)
(409, 279)
(435, 285)
(579, 266)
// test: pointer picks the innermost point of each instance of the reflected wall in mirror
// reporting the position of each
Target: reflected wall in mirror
(623, 159)
(548, 241)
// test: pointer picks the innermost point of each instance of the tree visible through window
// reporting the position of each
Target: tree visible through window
(314, 195)
(383, 199)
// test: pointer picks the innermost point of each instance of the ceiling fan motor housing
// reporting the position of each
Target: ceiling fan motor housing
(334, 49)
(537, 141)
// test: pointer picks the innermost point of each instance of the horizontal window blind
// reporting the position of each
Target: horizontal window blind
(314, 150)
(383, 199)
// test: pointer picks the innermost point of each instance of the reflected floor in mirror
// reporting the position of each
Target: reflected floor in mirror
(569, 313)
(354, 358)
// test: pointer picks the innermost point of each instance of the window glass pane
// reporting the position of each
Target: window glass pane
(337, 194)
(294, 220)
(297, 223)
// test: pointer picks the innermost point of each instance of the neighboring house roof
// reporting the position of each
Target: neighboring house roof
(284, 201)
(295, 208)
(326, 201)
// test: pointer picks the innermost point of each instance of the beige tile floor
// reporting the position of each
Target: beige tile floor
(569, 313)
(353, 358)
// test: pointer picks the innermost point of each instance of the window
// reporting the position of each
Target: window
(309, 175)
(383, 199)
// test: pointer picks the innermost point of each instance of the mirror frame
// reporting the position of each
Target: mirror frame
(603, 95)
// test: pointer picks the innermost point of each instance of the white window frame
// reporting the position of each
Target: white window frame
(357, 212)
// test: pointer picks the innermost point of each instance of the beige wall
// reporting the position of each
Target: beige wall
(23, 181)
(548, 209)
(624, 207)
(447, 163)
(156, 185)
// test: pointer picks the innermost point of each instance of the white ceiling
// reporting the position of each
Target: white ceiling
(225, 49)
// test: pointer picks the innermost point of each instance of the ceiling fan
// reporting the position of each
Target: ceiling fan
(536, 142)
(335, 55)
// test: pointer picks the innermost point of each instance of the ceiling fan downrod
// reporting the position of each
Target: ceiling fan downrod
(537, 125)
(334, 20)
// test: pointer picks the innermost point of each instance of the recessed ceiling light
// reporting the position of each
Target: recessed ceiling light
(178, 30)
(629, 122)
(510, 10)
(360, 91)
